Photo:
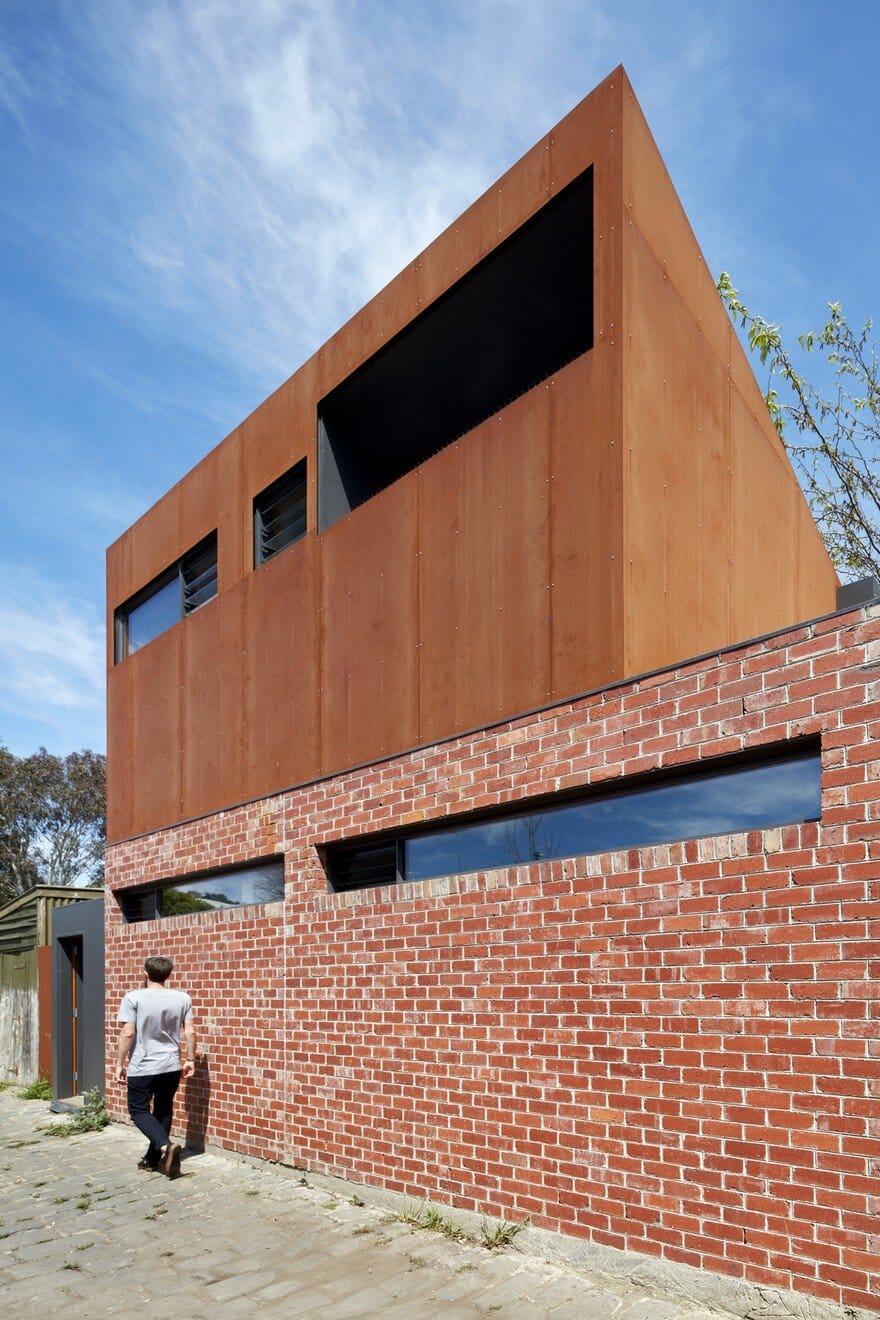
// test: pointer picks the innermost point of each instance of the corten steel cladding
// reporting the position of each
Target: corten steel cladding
(633, 508)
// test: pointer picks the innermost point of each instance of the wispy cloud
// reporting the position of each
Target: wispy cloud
(251, 181)
(51, 650)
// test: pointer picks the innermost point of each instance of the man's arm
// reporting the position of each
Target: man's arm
(189, 1054)
(127, 1035)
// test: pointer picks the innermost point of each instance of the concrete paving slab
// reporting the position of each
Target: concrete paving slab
(82, 1230)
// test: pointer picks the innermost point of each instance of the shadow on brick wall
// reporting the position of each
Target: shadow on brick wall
(198, 1100)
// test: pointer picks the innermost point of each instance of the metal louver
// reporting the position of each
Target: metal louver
(198, 572)
(280, 514)
(364, 866)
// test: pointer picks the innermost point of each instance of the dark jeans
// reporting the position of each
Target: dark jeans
(156, 1126)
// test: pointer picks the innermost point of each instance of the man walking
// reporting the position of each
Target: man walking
(148, 1057)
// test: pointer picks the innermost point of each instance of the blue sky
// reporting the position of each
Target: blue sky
(193, 196)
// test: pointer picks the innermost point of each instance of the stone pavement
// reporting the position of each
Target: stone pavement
(81, 1230)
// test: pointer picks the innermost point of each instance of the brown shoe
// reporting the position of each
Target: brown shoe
(170, 1165)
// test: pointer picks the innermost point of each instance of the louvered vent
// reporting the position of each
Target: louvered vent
(199, 573)
(363, 866)
(280, 514)
(139, 905)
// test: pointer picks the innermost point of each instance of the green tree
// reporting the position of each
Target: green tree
(20, 815)
(52, 820)
(72, 836)
(834, 436)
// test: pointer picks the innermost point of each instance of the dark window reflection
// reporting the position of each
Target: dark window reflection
(252, 884)
(747, 798)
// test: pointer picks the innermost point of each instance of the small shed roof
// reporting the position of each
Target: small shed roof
(25, 923)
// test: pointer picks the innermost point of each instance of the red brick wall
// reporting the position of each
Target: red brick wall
(673, 1049)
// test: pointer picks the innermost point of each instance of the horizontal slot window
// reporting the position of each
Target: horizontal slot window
(180, 590)
(280, 514)
(519, 316)
(729, 800)
(261, 882)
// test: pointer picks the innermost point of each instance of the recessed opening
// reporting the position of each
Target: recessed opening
(521, 314)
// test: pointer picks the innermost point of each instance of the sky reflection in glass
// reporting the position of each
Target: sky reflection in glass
(746, 798)
(257, 884)
(154, 615)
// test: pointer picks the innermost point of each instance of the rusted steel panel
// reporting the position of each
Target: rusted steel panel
(760, 593)
(764, 528)
(676, 484)
(156, 684)
(280, 711)
(210, 710)
(120, 765)
(44, 1011)
(159, 541)
(592, 135)
(817, 579)
(653, 207)
(484, 571)
(586, 523)
(271, 441)
(369, 629)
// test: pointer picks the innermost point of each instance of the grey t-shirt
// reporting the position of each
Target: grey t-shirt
(159, 1016)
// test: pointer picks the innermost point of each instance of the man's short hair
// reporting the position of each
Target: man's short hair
(158, 968)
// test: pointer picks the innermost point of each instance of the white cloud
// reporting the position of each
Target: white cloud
(51, 649)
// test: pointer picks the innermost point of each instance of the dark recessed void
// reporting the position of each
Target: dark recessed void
(520, 315)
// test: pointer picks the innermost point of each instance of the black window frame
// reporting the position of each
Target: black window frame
(272, 494)
(340, 858)
(145, 903)
(179, 570)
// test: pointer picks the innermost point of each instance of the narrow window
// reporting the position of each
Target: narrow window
(258, 882)
(178, 591)
(726, 800)
(280, 514)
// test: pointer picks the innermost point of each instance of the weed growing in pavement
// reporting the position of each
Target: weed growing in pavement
(59, 1200)
(39, 1090)
(71, 1265)
(252, 1191)
(356, 1200)
(501, 1235)
(428, 1217)
(84, 1246)
(39, 1184)
(19, 1145)
(91, 1118)
(359, 1232)
(4, 1086)
(83, 1203)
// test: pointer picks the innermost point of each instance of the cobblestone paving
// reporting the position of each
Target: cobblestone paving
(82, 1231)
